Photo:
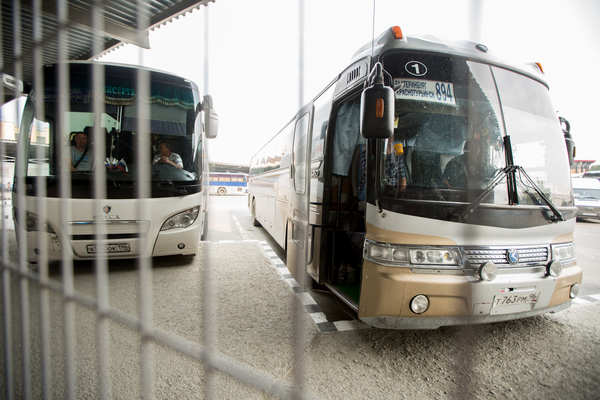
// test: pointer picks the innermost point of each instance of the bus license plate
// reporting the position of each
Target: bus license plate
(513, 299)
(108, 248)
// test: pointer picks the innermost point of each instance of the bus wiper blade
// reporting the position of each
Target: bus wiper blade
(500, 175)
(557, 214)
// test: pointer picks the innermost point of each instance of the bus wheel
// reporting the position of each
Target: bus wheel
(221, 191)
(254, 220)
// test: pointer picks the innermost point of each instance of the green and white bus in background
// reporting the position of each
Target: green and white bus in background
(427, 185)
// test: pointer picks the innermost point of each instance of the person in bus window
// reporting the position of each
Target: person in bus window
(166, 156)
(82, 157)
(395, 173)
(469, 167)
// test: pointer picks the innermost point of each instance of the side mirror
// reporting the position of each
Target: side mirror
(377, 108)
(566, 128)
(211, 118)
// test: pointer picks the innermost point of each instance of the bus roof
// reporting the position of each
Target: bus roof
(390, 40)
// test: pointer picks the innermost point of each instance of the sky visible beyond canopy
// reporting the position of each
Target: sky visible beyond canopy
(254, 63)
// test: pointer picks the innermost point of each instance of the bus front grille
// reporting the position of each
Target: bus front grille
(500, 255)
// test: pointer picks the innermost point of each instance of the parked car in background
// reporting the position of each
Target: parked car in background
(587, 197)
(592, 174)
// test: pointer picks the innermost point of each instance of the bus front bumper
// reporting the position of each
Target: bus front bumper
(387, 292)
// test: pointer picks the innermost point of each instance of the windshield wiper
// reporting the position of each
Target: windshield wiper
(557, 214)
(509, 172)
(500, 174)
(498, 178)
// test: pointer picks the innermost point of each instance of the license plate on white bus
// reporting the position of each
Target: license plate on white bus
(108, 248)
(514, 299)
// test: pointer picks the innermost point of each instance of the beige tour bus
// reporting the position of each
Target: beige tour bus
(427, 185)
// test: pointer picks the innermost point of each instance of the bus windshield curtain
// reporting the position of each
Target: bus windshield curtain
(121, 92)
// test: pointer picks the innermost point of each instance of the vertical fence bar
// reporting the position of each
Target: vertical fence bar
(466, 335)
(298, 309)
(43, 271)
(208, 293)
(144, 263)
(65, 193)
(101, 261)
(6, 295)
(23, 264)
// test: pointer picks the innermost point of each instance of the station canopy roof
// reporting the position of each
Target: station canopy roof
(120, 20)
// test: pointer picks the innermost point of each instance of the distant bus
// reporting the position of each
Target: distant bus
(127, 201)
(427, 185)
(223, 183)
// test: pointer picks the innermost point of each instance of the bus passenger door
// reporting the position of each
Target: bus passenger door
(297, 227)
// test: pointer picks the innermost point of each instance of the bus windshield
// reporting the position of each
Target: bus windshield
(103, 130)
(450, 123)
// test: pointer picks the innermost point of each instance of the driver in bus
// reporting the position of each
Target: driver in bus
(469, 167)
(82, 157)
(166, 156)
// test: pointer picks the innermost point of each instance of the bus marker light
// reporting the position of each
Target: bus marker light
(488, 271)
(379, 108)
(539, 65)
(554, 268)
(419, 304)
(397, 32)
(574, 290)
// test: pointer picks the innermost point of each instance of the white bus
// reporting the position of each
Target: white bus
(121, 200)
(223, 183)
(427, 185)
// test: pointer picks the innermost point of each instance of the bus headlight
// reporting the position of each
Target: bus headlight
(32, 222)
(563, 252)
(396, 256)
(181, 220)
(433, 256)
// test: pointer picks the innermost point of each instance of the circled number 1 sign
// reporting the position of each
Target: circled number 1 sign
(415, 68)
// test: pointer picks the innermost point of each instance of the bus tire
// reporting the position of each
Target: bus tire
(254, 220)
(221, 191)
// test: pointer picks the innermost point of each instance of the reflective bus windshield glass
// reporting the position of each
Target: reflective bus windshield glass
(103, 130)
(450, 124)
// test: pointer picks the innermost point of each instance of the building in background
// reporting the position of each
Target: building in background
(580, 166)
